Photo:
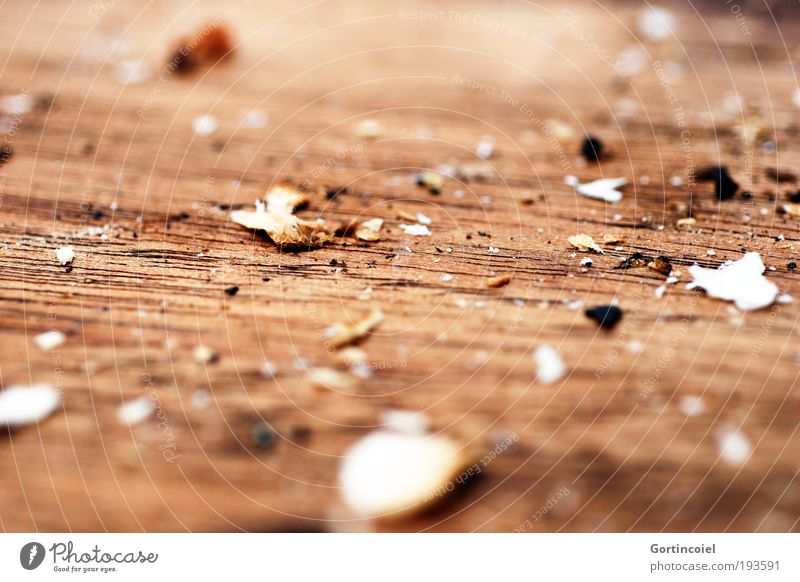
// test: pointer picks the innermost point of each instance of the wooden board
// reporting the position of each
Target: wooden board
(117, 171)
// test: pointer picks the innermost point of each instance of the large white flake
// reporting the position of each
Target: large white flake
(741, 281)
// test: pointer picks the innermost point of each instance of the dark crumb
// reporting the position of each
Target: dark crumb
(438, 250)
(661, 264)
(389, 256)
(337, 263)
(607, 316)
(265, 279)
(795, 197)
(778, 176)
(211, 44)
(363, 246)
(300, 434)
(263, 435)
(5, 154)
(792, 265)
(87, 149)
(469, 236)
(724, 186)
(435, 191)
(181, 216)
(747, 194)
(592, 149)
(97, 214)
(333, 194)
(635, 260)
(482, 233)
(68, 268)
(231, 291)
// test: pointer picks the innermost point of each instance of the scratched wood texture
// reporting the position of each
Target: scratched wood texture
(147, 286)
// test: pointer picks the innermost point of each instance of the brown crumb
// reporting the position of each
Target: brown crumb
(207, 46)
(276, 217)
(405, 215)
(498, 281)
(345, 333)
(661, 264)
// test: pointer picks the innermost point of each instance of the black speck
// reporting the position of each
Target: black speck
(607, 316)
(469, 236)
(795, 197)
(97, 214)
(333, 193)
(635, 260)
(592, 149)
(724, 186)
(747, 194)
(5, 154)
(231, 291)
(263, 435)
(482, 233)
(792, 265)
(389, 256)
(68, 268)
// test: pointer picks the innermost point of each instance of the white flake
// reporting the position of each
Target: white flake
(692, 405)
(415, 229)
(25, 405)
(485, 148)
(551, 367)
(734, 447)
(603, 189)
(655, 23)
(204, 125)
(135, 411)
(389, 472)
(739, 281)
(50, 340)
(65, 255)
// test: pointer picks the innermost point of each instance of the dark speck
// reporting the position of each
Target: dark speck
(263, 435)
(592, 149)
(231, 291)
(792, 265)
(795, 197)
(5, 154)
(724, 186)
(97, 214)
(607, 316)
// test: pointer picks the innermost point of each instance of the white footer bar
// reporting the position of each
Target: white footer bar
(401, 557)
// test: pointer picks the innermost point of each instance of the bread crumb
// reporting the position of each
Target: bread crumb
(498, 281)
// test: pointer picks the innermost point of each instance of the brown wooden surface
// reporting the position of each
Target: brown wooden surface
(612, 432)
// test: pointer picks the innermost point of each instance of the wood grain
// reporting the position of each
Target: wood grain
(141, 298)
